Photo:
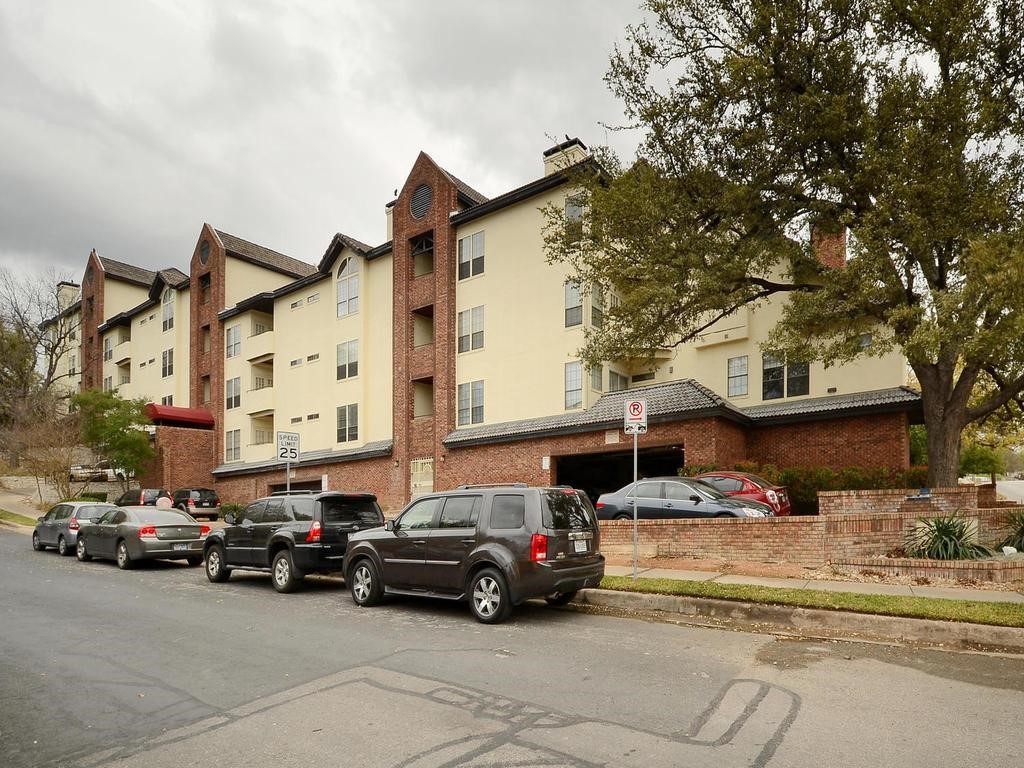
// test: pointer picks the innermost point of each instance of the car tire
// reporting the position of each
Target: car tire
(193, 561)
(559, 599)
(623, 516)
(364, 583)
(283, 573)
(216, 567)
(723, 514)
(488, 596)
(62, 547)
(123, 556)
(37, 543)
(81, 552)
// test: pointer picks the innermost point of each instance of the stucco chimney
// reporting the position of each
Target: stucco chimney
(67, 294)
(561, 156)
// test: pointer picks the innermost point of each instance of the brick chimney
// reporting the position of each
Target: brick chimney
(828, 243)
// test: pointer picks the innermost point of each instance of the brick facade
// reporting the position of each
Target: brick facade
(91, 351)
(881, 440)
(204, 315)
(184, 458)
(941, 501)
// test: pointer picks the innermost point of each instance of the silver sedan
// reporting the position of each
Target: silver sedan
(130, 534)
(59, 527)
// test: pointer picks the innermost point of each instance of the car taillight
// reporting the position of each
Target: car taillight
(147, 532)
(314, 533)
(191, 502)
(142, 498)
(538, 547)
(773, 497)
(73, 524)
(204, 530)
(599, 505)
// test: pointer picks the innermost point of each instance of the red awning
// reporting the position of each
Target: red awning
(177, 416)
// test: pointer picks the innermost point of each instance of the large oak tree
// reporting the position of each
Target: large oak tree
(897, 121)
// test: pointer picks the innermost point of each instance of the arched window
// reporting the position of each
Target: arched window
(348, 287)
(168, 308)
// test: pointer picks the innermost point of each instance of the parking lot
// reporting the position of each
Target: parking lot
(159, 667)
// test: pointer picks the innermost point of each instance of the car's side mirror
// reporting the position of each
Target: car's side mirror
(40, 519)
(229, 519)
(695, 499)
(389, 525)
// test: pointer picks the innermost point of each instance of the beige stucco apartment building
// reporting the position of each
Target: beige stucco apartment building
(447, 354)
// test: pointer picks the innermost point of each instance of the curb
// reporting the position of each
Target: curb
(812, 622)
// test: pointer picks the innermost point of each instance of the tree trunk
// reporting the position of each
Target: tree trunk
(943, 452)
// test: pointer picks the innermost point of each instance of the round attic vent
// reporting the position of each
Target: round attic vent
(420, 201)
(204, 252)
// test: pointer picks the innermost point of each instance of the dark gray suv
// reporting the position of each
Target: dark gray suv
(494, 546)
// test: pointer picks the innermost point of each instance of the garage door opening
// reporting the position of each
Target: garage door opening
(604, 472)
(305, 485)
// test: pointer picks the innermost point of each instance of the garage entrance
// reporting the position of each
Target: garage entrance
(599, 473)
(306, 485)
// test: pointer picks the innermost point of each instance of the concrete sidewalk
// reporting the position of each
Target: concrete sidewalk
(856, 587)
(19, 504)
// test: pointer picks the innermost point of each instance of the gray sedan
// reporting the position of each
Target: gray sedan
(59, 527)
(130, 534)
(674, 497)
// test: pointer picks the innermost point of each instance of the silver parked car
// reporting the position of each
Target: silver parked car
(59, 527)
(130, 534)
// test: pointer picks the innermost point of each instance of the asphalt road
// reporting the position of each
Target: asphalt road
(156, 667)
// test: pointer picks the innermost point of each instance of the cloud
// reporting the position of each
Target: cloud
(124, 126)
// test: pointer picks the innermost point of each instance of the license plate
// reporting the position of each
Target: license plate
(580, 545)
(177, 547)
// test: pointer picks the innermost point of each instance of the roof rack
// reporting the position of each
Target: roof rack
(466, 487)
(293, 493)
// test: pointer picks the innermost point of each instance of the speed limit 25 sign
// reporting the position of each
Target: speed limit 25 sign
(288, 446)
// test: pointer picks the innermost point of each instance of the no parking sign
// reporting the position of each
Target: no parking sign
(634, 417)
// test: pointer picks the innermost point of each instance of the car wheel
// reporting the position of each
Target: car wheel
(364, 583)
(623, 516)
(216, 570)
(723, 514)
(80, 551)
(62, 547)
(193, 561)
(285, 575)
(560, 598)
(488, 597)
(124, 558)
(37, 543)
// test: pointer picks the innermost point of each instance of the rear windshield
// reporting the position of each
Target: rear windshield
(567, 509)
(205, 494)
(93, 513)
(706, 488)
(162, 517)
(351, 509)
(759, 481)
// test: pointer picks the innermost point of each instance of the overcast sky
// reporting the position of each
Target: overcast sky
(125, 124)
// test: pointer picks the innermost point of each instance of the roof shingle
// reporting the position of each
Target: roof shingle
(126, 272)
(879, 398)
(257, 254)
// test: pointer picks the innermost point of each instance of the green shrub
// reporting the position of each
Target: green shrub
(230, 509)
(803, 483)
(1015, 535)
(945, 538)
(92, 496)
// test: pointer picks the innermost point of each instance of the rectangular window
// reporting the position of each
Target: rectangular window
(313, 298)
(574, 219)
(573, 385)
(108, 383)
(204, 289)
(773, 378)
(167, 310)
(167, 400)
(471, 329)
(348, 359)
(206, 388)
(296, 304)
(617, 382)
(639, 378)
(233, 393)
(471, 255)
(348, 289)
(597, 306)
(596, 378)
(313, 417)
(296, 362)
(573, 305)
(313, 358)
(737, 373)
(206, 338)
(471, 403)
(798, 379)
(73, 365)
(348, 423)
(167, 363)
(233, 445)
(233, 341)
(108, 349)
(295, 420)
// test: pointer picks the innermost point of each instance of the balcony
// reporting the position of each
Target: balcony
(260, 348)
(259, 402)
(259, 452)
(123, 353)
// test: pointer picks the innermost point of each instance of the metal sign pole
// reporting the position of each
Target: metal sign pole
(635, 525)
(288, 477)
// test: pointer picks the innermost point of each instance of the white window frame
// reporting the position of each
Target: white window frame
(167, 302)
(573, 304)
(167, 363)
(233, 445)
(348, 420)
(233, 340)
(471, 329)
(348, 287)
(738, 376)
(573, 385)
(470, 261)
(347, 365)
(233, 393)
(470, 404)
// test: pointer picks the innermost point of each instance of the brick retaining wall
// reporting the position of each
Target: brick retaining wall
(941, 501)
(998, 571)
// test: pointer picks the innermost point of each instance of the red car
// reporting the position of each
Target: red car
(749, 486)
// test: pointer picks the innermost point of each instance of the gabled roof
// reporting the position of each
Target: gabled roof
(876, 401)
(264, 257)
(128, 273)
(674, 401)
(472, 197)
(338, 242)
(172, 278)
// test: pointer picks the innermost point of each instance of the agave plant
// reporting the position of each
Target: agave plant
(945, 538)
(1015, 536)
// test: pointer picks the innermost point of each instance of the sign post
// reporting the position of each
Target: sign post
(288, 451)
(634, 422)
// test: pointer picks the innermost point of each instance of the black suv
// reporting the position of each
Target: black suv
(290, 535)
(198, 502)
(141, 497)
(493, 545)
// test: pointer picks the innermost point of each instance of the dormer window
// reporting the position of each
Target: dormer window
(168, 308)
(348, 287)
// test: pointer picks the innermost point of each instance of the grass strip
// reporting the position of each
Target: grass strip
(14, 517)
(973, 611)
